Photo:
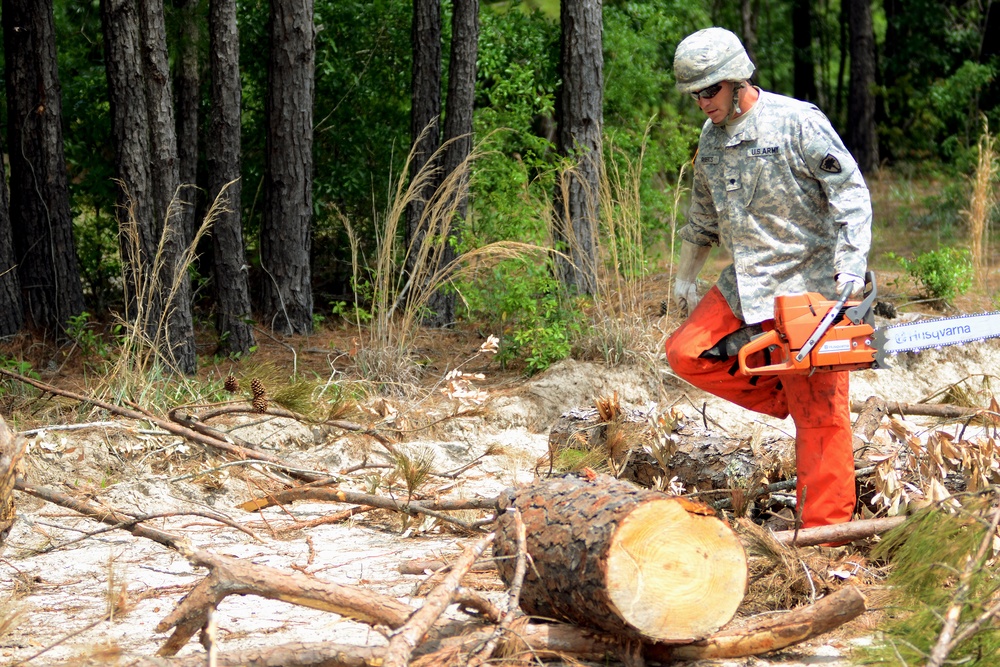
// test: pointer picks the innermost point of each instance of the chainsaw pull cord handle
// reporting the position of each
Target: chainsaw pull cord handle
(825, 323)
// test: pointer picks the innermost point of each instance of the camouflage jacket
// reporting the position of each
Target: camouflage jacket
(786, 199)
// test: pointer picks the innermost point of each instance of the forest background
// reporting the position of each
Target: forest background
(911, 85)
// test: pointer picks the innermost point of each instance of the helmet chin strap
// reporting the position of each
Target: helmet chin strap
(735, 108)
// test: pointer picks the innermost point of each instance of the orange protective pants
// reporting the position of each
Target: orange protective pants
(819, 405)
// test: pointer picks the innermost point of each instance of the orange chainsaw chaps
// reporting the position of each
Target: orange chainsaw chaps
(818, 403)
(711, 321)
(824, 453)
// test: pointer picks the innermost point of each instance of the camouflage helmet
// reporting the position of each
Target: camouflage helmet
(708, 57)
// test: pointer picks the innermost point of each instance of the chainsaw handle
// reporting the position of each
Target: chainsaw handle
(762, 342)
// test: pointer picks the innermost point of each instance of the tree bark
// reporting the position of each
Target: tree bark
(625, 560)
(174, 283)
(187, 82)
(862, 138)
(137, 231)
(425, 111)
(41, 221)
(286, 292)
(579, 113)
(458, 139)
(748, 25)
(11, 310)
(223, 153)
(804, 65)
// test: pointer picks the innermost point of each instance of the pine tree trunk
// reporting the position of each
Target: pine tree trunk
(862, 138)
(748, 26)
(286, 292)
(174, 283)
(232, 290)
(41, 221)
(425, 109)
(579, 115)
(804, 65)
(11, 312)
(130, 139)
(458, 137)
(187, 81)
(633, 562)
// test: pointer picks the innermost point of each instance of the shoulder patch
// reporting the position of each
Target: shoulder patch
(830, 164)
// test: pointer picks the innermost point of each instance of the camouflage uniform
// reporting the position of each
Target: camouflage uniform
(774, 184)
(786, 199)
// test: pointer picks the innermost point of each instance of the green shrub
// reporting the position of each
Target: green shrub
(525, 306)
(944, 273)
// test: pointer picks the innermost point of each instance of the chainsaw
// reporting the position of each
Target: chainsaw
(813, 334)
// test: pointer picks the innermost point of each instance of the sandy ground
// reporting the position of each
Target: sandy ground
(62, 585)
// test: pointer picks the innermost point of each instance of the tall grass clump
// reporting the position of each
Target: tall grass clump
(619, 331)
(400, 282)
(983, 201)
(143, 358)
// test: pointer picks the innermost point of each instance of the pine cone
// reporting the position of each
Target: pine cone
(257, 387)
(663, 308)
(260, 404)
(232, 385)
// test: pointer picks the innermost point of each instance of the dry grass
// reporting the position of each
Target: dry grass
(619, 330)
(11, 615)
(144, 357)
(399, 299)
(983, 201)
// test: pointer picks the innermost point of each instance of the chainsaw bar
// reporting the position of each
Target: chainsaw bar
(939, 332)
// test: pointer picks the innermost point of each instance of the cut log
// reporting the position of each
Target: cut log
(629, 561)
(626, 442)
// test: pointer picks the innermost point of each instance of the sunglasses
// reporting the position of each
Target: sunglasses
(707, 93)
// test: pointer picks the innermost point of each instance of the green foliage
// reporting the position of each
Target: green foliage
(931, 62)
(12, 389)
(932, 555)
(98, 259)
(80, 330)
(350, 312)
(944, 273)
(526, 308)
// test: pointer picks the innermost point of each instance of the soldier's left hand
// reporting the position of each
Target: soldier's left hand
(857, 283)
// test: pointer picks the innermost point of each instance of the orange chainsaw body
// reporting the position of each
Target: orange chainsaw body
(846, 346)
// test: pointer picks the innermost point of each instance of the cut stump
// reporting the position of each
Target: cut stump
(629, 561)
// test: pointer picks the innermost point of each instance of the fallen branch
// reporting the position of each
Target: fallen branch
(555, 641)
(771, 633)
(839, 532)
(342, 424)
(513, 595)
(165, 424)
(924, 409)
(231, 576)
(406, 639)
(435, 509)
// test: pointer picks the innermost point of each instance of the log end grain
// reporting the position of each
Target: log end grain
(674, 573)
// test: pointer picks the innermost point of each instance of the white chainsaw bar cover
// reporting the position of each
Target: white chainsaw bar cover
(940, 332)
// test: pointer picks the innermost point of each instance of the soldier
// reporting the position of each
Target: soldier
(774, 184)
